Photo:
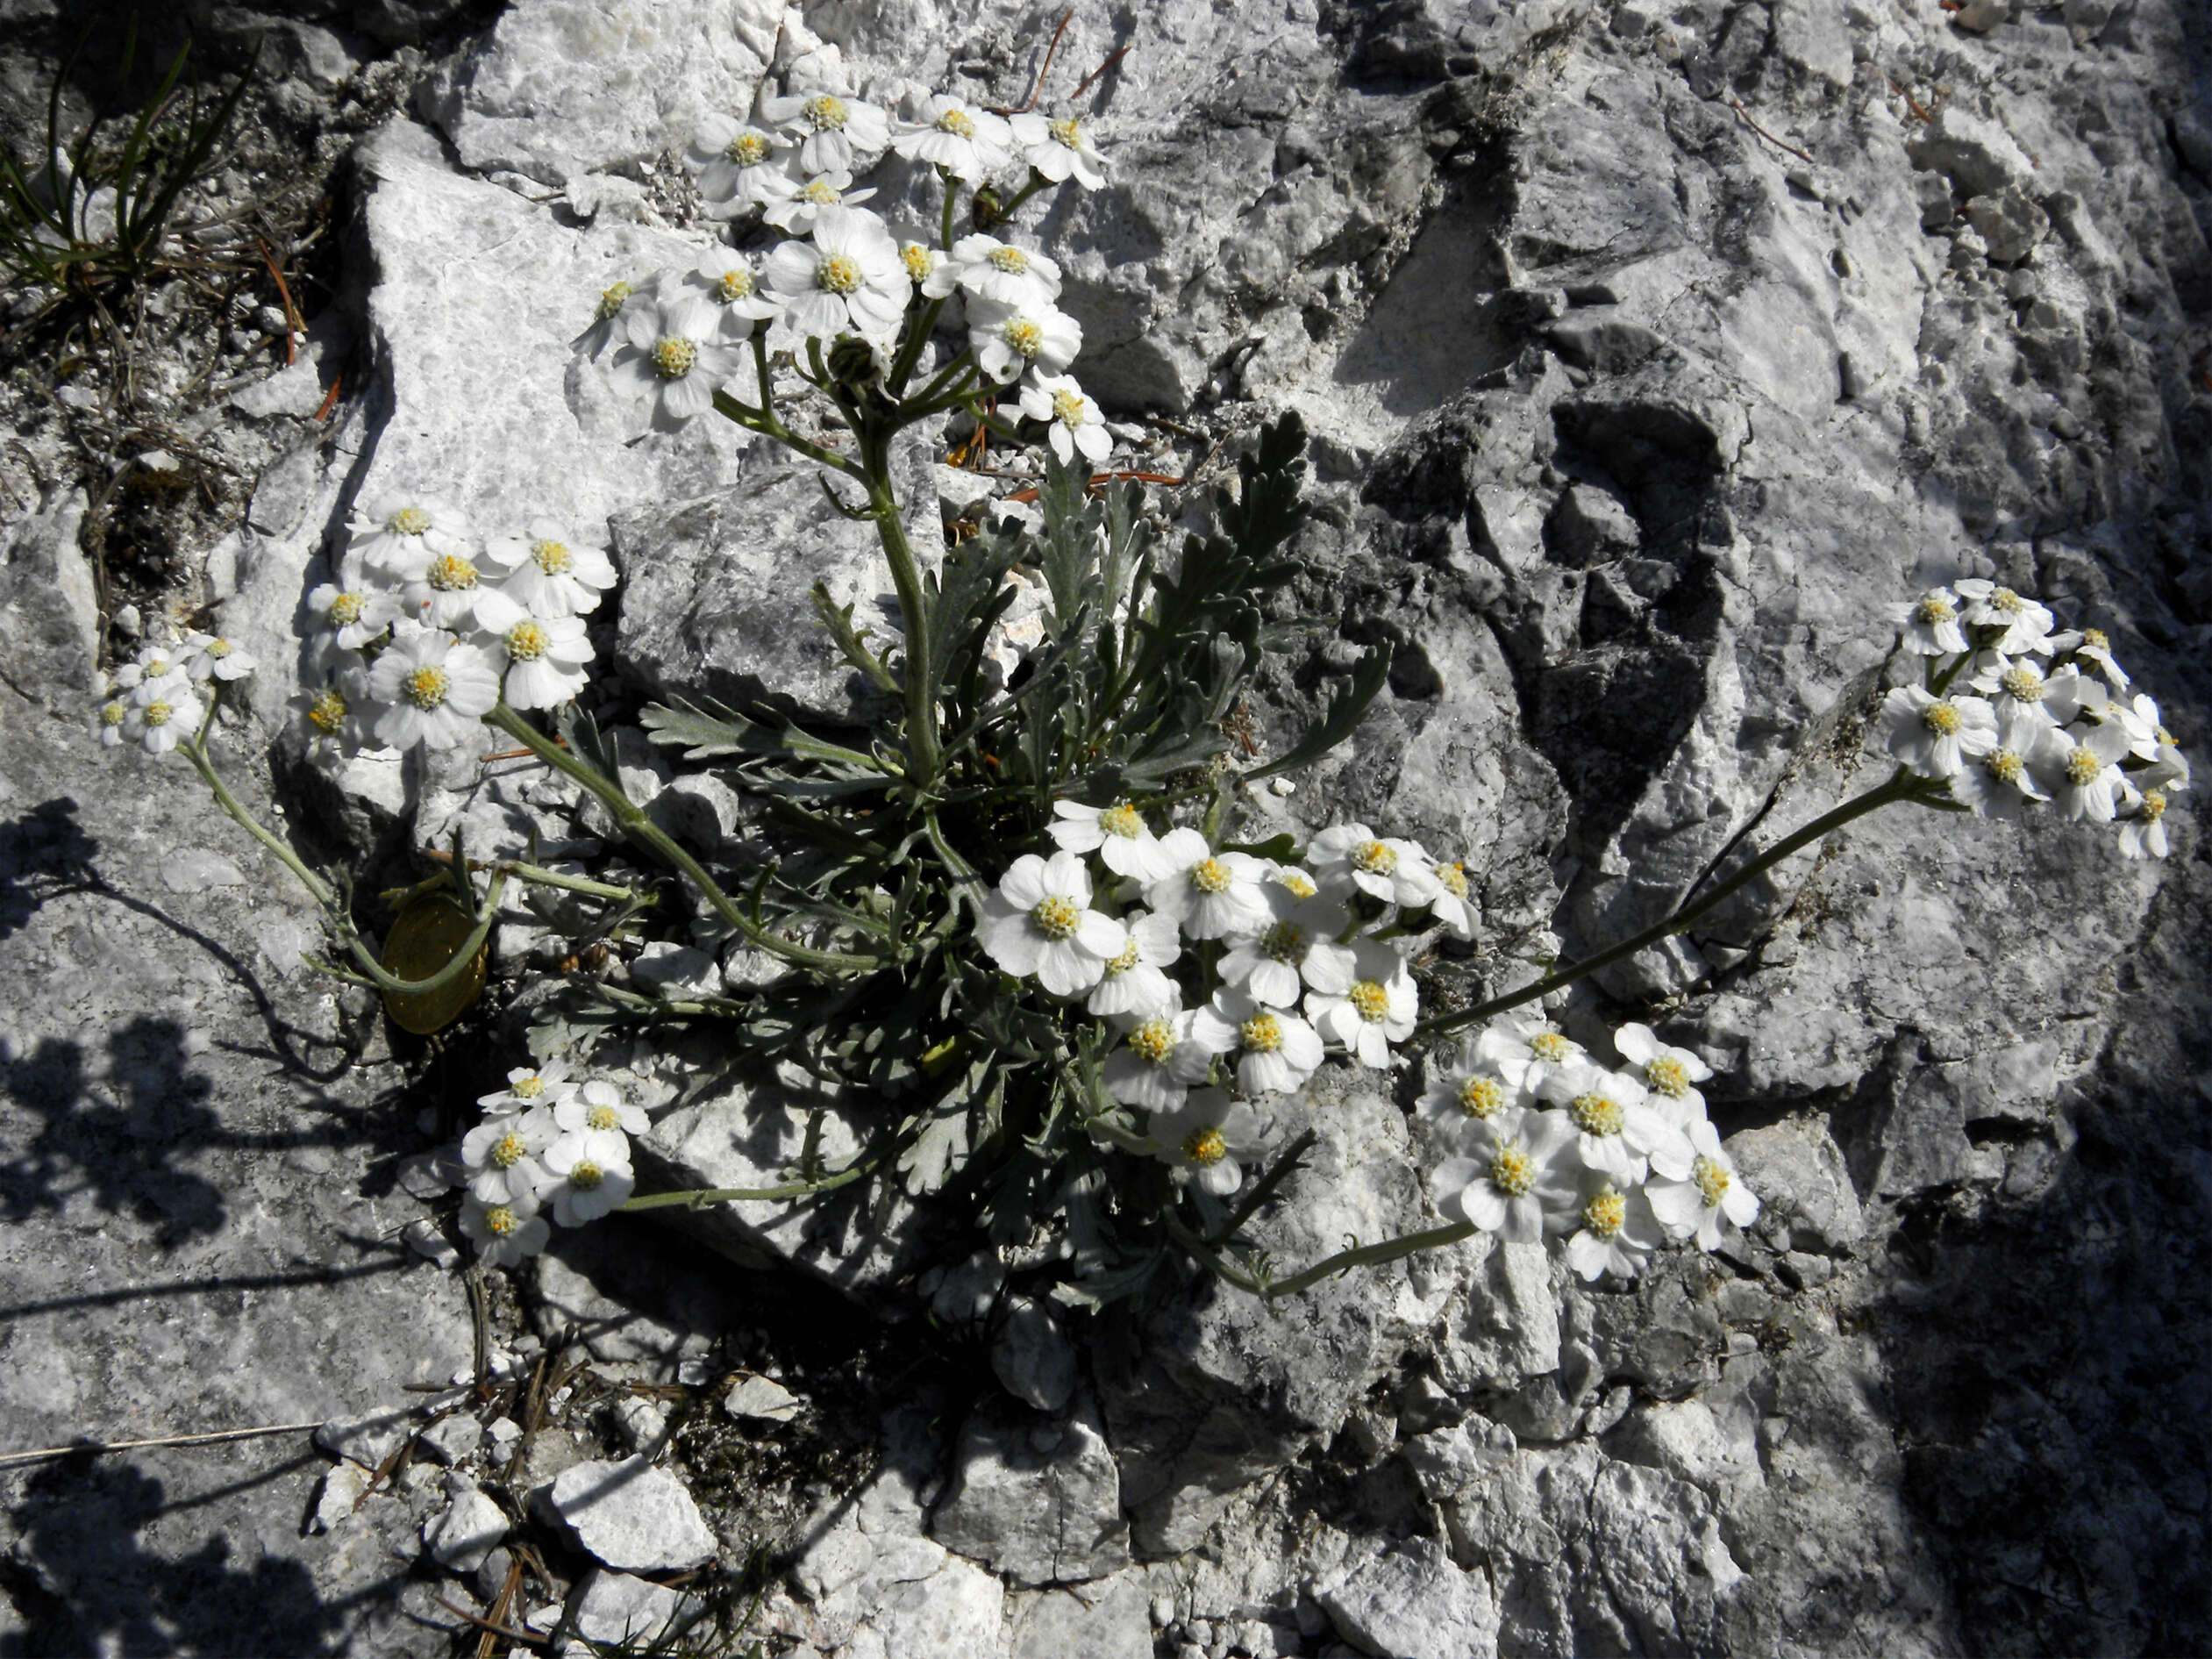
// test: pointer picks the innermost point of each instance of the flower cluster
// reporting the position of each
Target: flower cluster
(2012, 713)
(841, 270)
(1548, 1140)
(426, 628)
(159, 699)
(1226, 978)
(547, 1146)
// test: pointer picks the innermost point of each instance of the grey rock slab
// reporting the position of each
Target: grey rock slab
(622, 1611)
(451, 1439)
(1056, 1624)
(1413, 1602)
(49, 617)
(631, 1516)
(1033, 1357)
(1038, 1500)
(466, 1532)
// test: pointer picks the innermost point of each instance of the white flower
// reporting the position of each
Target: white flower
(1117, 833)
(1452, 904)
(1617, 1129)
(589, 1186)
(1076, 424)
(740, 166)
(732, 281)
(968, 143)
(1617, 1233)
(1206, 1135)
(399, 534)
(802, 210)
(1376, 1010)
(1522, 1167)
(1276, 1051)
(1670, 1076)
(2143, 835)
(2069, 694)
(673, 355)
(830, 129)
(1039, 921)
(433, 688)
(355, 611)
(1133, 984)
(528, 1088)
(1526, 1049)
(1299, 944)
(341, 716)
(163, 713)
(216, 657)
(153, 662)
(1060, 150)
(1210, 894)
(600, 1122)
(110, 721)
(1349, 856)
(2092, 646)
(2016, 688)
(1010, 341)
(850, 277)
(2000, 782)
(549, 573)
(2025, 624)
(1697, 1205)
(1934, 735)
(928, 269)
(505, 1159)
(503, 1235)
(2082, 770)
(606, 319)
(2148, 739)
(1931, 626)
(1471, 1094)
(547, 657)
(442, 593)
(1003, 274)
(1159, 1059)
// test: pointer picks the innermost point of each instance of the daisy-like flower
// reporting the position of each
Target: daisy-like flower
(217, 658)
(1453, 905)
(830, 130)
(1697, 1205)
(340, 717)
(354, 611)
(547, 657)
(2069, 694)
(968, 143)
(2148, 739)
(529, 1088)
(1117, 833)
(2093, 646)
(1998, 783)
(1522, 1168)
(2025, 624)
(1376, 1010)
(156, 660)
(1472, 1094)
(1670, 1076)
(1347, 857)
(1931, 624)
(1936, 735)
(1616, 1231)
(606, 319)
(1134, 985)
(1276, 1051)
(600, 1122)
(1158, 1061)
(732, 281)
(1060, 150)
(163, 713)
(505, 1159)
(587, 1187)
(110, 721)
(398, 535)
(1206, 1135)
(929, 269)
(673, 355)
(1011, 340)
(1208, 894)
(1004, 273)
(503, 1235)
(1039, 921)
(445, 591)
(2143, 832)
(433, 688)
(1618, 1130)
(1525, 1049)
(800, 211)
(849, 278)
(549, 573)
(2016, 688)
(2082, 770)
(1299, 945)
(740, 166)
(1074, 423)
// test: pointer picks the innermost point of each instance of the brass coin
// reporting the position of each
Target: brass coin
(429, 933)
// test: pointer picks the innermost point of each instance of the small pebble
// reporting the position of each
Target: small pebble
(427, 1242)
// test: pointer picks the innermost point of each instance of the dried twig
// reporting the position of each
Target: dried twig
(1043, 68)
(10, 1460)
(292, 325)
(1091, 80)
(1745, 116)
(330, 398)
(1911, 103)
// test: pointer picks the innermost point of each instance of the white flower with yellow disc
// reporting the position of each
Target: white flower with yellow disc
(1206, 1135)
(848, 279)
(1276, 1051)
(432, 689)
(1702, 1202)
(967, 142)
(1039, 922)
(1210, 894)
(1376, 1010)
(1116, 832)
(550, 572)
(1060, 150)
(828, 128)
(548, 658)
(1074, 423)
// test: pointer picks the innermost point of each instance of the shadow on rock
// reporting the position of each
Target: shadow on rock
(44, 852)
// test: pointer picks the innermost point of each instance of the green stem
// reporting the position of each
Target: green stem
(699, 1197)
(1264, 1188)
(1902, 786)
(374, 971)
(540, 876)
(924, 757)
(1361, 1255)
(641, 828)
(196, 751)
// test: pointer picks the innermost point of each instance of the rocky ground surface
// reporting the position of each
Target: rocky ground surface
(1650, 352)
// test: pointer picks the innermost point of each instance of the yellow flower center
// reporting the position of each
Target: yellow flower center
(526, 642)
(839, 273)
(450, 573)
(747, 150)
(1154, 1041)
(1206, 1146)
(673, 356)
(114, 713)
(427, 686)
(499, 1221)
(1370, 1001)
(1022, 335)
(529, 1088)
(1057, 918)
(1712, 1181)
(1481, 1097)
(1122, 820)
(827, 114)
(218, 649)
(1941, 716)
(1069, 409)
(2005, 766)
(822, 193)
(1605, 1213)
(2022, 683)
(2083, 767)
(1124, 962)
(921, 263)
(586, 1177)
(327, 713)
(1667, 1076)
(1262, 1034)
(509, 1150)
(1454, 878)
(345, 610)
(2154, 805)
(603, 1118)
(1375, 858)
(1512, 1172)
(2096, 639)
(1549, 1044)
(1012, 260)
(1284, 942)
(1935, 609)
(1299, 883)
(1068, 134)
(159, 713)
(409, 521)
(734, 284)
(552, 557)
(612, 299)
(2006, 600)
(1594, 1113)
(959, 123)
(154, 668)
(1211, 875)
